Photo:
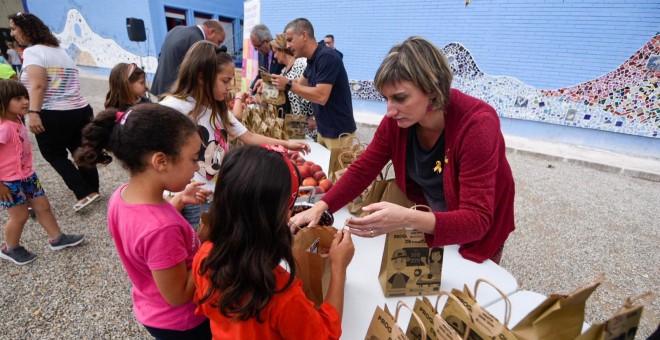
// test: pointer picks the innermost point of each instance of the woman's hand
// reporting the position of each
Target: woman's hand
(5, 193)
(35, 124)
(384, 218)
(298, 146)
(194, 194)
(309, 217)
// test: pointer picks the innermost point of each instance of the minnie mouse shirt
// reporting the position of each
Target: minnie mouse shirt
(214, 139)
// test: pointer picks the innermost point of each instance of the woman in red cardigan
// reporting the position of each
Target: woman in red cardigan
(448, 152)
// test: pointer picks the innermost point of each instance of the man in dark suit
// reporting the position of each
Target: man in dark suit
(177, 42)
(260, 38)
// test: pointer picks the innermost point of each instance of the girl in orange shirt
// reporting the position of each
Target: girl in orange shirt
(241, 286)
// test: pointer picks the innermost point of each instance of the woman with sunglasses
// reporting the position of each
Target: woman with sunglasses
(127, 87)
(57, 112)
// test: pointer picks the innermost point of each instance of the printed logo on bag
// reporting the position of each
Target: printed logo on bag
(385, 323)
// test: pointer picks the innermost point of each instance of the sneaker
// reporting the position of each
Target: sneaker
(18, 255)
(66, 241)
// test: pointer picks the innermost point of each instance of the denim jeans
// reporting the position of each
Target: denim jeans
(193, 212)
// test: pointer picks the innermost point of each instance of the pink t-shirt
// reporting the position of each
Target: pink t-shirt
(153, 237)
(15, 151)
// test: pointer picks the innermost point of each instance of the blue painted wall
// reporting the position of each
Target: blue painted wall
(544, 43)
(108, 18)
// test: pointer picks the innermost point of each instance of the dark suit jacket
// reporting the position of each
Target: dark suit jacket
(273, 68)
(176, 44)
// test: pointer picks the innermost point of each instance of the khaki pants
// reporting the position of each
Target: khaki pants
(332, 143)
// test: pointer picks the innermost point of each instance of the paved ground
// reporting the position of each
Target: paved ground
(573, 222)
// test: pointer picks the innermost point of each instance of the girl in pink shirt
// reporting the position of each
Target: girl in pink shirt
(156, 245)
(19, 184)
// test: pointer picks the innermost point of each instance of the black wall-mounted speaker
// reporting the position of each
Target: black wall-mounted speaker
(135, 28)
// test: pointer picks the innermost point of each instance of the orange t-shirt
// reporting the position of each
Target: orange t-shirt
(289, 314)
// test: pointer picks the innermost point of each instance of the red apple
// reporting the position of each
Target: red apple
(309, 182)
(326, 184)
(309, 163)
(320, 190)
(319, 175)
(304, 171)
(316, 168)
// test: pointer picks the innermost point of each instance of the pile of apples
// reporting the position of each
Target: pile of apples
(311, 173)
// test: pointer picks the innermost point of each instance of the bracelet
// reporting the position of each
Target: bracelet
(34, 111)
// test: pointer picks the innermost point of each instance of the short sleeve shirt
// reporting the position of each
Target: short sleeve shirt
(63, 89)
(336, 116)
(214, 139)
(15, 152)
(153, 237)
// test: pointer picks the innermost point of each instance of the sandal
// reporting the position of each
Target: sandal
(86, 201)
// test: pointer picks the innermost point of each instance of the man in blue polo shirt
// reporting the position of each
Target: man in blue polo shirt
(324, 83)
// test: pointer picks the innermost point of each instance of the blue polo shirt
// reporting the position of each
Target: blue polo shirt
(336, 116)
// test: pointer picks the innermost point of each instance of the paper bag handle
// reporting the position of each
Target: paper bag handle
(450, 296)
(345, 153)
(507, 303)
(419, 321)
(643, 299)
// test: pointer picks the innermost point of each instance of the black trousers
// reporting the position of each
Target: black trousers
(63, 131)
(201, 332)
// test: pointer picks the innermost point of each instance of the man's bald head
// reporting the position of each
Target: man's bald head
(214, 31)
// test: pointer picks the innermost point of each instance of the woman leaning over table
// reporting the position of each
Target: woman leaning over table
(57, 112)
(448, 152)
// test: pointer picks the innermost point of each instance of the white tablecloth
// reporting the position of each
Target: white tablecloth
(363, 292)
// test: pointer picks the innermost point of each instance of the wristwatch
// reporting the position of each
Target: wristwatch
(288, 85)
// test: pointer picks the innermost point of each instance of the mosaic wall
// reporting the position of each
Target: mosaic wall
(624, 100)
(87, 48)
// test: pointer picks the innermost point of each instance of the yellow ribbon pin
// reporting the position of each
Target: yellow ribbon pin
(438, 167)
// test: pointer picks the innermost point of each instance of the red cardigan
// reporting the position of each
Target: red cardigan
(478, 183)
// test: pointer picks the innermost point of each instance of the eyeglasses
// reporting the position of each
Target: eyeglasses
(260, 44)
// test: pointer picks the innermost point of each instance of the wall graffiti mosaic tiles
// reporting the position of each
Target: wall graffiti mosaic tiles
(625, 100)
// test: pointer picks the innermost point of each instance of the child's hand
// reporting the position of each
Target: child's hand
(194, 194)
(341, 250)
(298, 146)
(5, 194)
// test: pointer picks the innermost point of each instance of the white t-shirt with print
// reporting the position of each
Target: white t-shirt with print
(63, 89)
(214, 139)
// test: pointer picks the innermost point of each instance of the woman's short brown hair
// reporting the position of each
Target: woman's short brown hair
(420, 62)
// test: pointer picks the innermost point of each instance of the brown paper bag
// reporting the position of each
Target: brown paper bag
(393, 194)
(623, 325)
(477, 323)
(296, 126)
(436, 327)
(558, 317)
(384, 326)
(372, 194)
(269, 92)
(408, 266)
(350, 148)
(313, 269)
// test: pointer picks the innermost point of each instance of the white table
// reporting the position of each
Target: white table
(363, 292)
(319, 154)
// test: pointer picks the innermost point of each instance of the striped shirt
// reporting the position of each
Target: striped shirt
(63, 89)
